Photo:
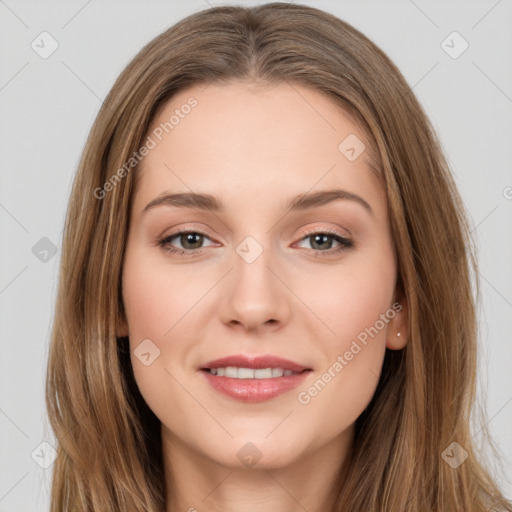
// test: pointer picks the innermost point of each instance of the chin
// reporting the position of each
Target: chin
(255, 453)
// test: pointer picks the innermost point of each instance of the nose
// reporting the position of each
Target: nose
(255, 297)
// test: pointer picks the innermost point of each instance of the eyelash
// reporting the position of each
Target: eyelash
(345, 243)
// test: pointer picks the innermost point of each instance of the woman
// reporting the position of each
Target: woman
(265, 298)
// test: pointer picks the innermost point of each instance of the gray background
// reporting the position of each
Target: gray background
(48, 105)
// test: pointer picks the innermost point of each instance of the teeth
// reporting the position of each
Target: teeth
(231, 371)
(250, 373)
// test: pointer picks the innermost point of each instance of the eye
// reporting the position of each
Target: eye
(190, 241)
(321, 242)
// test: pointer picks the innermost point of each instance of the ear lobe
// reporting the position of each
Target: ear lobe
(398, 328)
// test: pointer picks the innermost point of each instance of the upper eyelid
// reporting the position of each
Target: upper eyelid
(329, 231)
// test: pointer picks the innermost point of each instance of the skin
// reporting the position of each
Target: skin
(254, 147)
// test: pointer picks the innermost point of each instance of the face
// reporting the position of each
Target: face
(275, 269)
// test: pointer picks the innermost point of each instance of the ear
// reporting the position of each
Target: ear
(398, 327)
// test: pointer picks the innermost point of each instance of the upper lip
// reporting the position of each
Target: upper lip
(254, 362)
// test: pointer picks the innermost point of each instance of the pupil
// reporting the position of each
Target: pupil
(189, 238)
(324, 237)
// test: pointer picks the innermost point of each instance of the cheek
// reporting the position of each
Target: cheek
(356, 306)
(343, 386)
(350, 299)
(153, 300)
(152, 309)
(165, 305)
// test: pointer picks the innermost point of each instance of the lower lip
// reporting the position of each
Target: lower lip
(254, 390)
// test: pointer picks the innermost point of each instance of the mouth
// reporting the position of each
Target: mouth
(234, 372)
(246, 364)
(254, 378)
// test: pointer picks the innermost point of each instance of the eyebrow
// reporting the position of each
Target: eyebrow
(300, 202)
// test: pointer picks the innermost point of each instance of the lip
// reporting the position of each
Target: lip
(255, 390)
(264, 361)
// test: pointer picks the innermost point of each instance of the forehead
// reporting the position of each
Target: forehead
(264, 136)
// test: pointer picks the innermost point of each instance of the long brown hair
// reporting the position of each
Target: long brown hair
(109, 453)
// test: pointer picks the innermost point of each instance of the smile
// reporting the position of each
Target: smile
(234, 372)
